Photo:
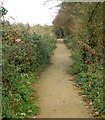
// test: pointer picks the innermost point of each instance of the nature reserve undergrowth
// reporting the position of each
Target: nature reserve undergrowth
(88, 75)
(23, 55)
(81, 24)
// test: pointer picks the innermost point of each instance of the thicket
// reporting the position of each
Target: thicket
(42, 29)
(24, 54)
(84, 23)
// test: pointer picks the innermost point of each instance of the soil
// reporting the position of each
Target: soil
(58, 97)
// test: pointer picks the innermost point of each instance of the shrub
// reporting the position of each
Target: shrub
(88, 74)
(23, 55)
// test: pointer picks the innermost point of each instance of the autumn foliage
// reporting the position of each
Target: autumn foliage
(84, 23)
(24, 56)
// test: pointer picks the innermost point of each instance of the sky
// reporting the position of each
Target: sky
(31, 11)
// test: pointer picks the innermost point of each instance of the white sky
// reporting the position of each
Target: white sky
(31, 11)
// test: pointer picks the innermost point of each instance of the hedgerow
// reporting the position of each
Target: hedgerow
(83, 21)
(88, 75)
(23, 55)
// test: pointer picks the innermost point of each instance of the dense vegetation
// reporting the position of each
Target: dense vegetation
(24, 54)
(26, 50)
(42, 29)
(81, 26)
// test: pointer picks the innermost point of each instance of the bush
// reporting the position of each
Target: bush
(88, 74)
(23, 55)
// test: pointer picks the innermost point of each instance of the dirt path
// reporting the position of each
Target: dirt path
(57, 95)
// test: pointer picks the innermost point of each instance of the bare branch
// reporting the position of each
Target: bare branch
(50, 1)
(55, 6)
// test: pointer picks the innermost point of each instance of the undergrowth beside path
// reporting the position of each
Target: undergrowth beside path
(81, 26)
(24, 55)
(88, 76)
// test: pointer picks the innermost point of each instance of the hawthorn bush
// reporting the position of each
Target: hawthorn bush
(24, 54)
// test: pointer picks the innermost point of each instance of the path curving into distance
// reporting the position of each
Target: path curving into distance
(58, 98)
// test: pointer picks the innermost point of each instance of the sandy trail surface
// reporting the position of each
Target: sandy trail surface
(58, 98)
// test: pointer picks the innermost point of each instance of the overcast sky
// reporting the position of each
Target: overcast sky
(31, 11)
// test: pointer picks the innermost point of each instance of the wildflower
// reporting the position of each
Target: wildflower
(22, 41)
(34, 117)
(18, 40)
(23, 114)
(18, 68)
(28, 83)
(90, 103)
(26, 75)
